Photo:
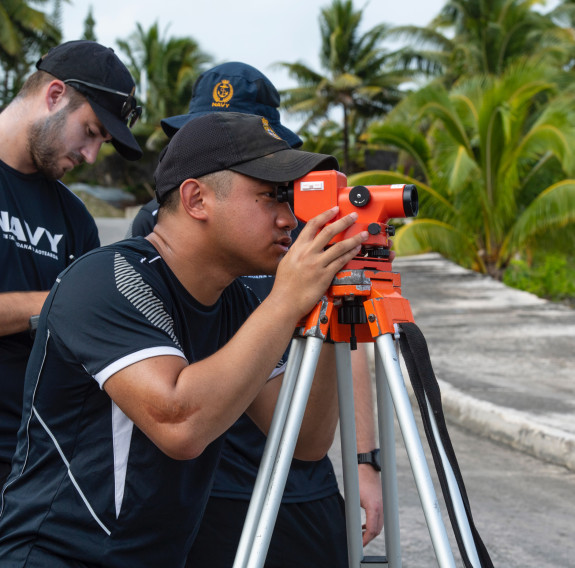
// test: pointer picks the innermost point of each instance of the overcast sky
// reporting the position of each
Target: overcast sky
(258, 32)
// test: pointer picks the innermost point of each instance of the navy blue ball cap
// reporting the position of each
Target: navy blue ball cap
(243, 143)
(97, 73)
(234, 87)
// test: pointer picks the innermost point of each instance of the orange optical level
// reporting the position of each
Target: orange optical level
(319, 191)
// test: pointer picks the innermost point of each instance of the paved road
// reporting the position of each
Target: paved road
(523, 507)
(506, 366)
(112, 229)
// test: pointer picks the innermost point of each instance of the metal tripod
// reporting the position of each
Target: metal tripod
(369, 307)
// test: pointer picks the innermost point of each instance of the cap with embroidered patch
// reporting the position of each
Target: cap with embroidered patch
(97, 73)
(234, 87)
(243, 143)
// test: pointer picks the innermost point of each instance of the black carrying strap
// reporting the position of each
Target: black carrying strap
(416, 357)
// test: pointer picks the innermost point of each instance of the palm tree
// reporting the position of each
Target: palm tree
(491, 34)
(89, 26)
(469, 37)
(355, 78)
(494, 161)
(165, 70)
(25, 33)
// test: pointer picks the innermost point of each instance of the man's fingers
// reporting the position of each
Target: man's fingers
(373, 526)
(342, 252)
(317, 222)
(322, 231)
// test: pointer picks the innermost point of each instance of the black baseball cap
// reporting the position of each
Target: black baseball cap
(234, 87)
(97, 73)
(243, 143)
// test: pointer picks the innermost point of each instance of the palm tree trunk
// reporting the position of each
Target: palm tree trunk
(345, 141)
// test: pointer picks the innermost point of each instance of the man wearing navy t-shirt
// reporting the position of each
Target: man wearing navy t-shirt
(80, 97)
(146, 353)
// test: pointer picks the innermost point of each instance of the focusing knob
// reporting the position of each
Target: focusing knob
(359, 196)
(374, 228)
(390, 230)
(379, 252)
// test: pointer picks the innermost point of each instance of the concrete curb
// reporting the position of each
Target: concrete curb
(512, 427)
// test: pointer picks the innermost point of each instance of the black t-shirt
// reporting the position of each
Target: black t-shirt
(85, 481)
(143, 223)
(244, 444)
(43, 228)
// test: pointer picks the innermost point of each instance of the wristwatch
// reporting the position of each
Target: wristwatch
(33, 325)
(372, 458)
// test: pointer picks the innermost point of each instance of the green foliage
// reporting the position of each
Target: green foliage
(488, 37)
(90, 27)
(25, 34)
(165, 69)
(478, 149)
(356, 78)
(551, 277)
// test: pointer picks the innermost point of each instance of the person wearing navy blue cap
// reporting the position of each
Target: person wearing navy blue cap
(234, 87)
(310, 528)
(80, 97)
(229, 87)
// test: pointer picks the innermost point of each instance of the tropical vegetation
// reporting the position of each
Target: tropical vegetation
(165, 68)
(25, 34)
(475, 109)
(493, 159)
(358, 78)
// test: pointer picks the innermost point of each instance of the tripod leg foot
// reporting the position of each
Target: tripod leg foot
(374, 562)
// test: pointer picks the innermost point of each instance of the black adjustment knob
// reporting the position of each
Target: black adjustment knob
(359, 196)
(351, 314)
(374, 228)
(390, 230)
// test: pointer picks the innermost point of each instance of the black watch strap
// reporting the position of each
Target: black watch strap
(371, 458)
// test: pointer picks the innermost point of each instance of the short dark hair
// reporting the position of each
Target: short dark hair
(40, 78)
(35, 82)
(220, 183)
(170, 201)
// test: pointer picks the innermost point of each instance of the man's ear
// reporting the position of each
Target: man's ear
(55, 93)
(193, 198)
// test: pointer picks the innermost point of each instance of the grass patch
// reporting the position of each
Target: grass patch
(551, 276)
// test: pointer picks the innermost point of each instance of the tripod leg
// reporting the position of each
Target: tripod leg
(455, 493)
(386, 350)
(349, 454)
(388, 467)
(284, 455)
(270, 451)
